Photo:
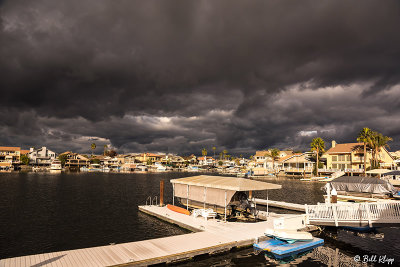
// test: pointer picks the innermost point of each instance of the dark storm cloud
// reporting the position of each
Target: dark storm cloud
(180, 75)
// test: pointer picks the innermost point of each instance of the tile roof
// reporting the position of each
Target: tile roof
(344, 148)
(261, 153)
(289, 156)
(9, 148)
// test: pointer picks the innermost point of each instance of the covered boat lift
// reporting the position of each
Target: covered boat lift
(216, 191)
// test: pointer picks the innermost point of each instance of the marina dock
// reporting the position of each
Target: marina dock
(213, 236)
(281, 204)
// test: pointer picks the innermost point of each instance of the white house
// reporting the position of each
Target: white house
(41, 156)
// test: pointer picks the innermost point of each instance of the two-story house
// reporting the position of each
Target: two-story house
(41, 156)
(75, 160)
(297, 163)
(9, 157)
(349, 157)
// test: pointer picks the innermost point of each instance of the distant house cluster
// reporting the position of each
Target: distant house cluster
(347, 157)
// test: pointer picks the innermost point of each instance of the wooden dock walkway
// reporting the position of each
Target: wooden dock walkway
(213, 236)
(281, 204)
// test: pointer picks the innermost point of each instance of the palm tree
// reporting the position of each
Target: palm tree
(377, 142)
(365, 137)
(214, 148)
(224, 152)
(274, 155)
(204, 153)
(93, 147)
(105, 149)
(318, 145)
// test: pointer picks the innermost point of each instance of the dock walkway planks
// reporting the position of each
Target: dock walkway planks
(281, 204)
(212, 236)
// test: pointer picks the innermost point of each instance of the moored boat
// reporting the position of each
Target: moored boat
(289, 236)
(55, 165)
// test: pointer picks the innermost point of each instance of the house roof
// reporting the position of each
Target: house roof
(153, 155)
(226, 183)
(287, 152)
(207, 157)
(297, 158)
(261, 153)
(25, 151)
(344, 148)
(9, 148)
(288, 156)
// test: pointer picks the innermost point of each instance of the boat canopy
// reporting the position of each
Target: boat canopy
(362, 184)
(216, 190)
(377, 171)
(391, 173)
(227, 183)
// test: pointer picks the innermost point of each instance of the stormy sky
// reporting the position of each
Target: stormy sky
(177, 76)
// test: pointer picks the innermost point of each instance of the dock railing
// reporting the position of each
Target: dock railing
(347, 213)
(151, 201)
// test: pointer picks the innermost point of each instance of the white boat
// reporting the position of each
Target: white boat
(94, 167)
(289, 236)
(55, 165)
(141, 169)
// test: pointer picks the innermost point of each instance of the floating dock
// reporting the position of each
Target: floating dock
(281, 204)
(281, 249)
(211, 237)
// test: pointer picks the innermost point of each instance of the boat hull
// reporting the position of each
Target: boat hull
(289, 236)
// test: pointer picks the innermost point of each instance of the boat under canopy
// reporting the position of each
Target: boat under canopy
(217, 192)
(362, 184)
(394, 173)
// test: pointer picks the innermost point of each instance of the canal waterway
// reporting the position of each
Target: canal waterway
(44, 212)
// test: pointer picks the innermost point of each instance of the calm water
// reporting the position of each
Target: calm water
(50, 212)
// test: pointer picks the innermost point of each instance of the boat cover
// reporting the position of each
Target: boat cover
(391, 173)
(216, 190)
(362, 184)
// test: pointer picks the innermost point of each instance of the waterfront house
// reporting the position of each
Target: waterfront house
(75, 160)
(262, 159)
(173, 160)
(192, 159)
(10, 157)
(297, 163)
(349, 157)
(41, 156)
(206, 160)
(144, 157)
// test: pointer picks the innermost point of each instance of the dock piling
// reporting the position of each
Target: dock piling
(162, 193)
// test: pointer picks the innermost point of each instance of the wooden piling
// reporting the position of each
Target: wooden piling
(162, 193)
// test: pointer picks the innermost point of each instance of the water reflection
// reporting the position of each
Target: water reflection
(44, 212)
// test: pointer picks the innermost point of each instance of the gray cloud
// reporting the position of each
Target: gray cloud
(180, 75)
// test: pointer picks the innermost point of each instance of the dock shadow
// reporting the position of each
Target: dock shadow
(48, 261)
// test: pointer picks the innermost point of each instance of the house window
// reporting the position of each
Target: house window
(334, 166)
(341, 157)
(348, 158)
(334, 158)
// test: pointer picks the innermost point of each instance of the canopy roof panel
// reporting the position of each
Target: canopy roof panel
(226, 183)
(377, 171)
